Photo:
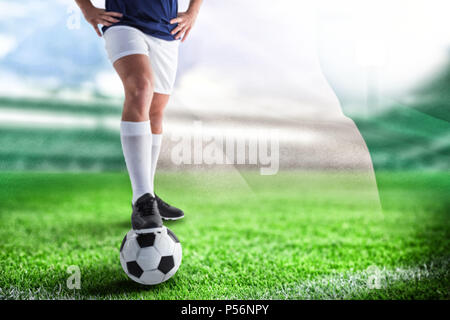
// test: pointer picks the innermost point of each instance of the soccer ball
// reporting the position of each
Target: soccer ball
(150, 258)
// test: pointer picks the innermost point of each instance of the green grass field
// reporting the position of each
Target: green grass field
(283, 240)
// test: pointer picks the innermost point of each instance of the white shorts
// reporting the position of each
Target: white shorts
(121, 41)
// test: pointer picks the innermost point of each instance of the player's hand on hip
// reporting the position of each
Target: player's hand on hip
(96, 16)
(185, 22)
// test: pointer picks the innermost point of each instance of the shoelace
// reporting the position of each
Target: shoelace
(146, 208)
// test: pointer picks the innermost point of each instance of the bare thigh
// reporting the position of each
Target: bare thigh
(137, 79)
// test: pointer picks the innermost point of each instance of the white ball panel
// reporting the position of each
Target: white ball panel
(123, 263)
(148, 258)
(177, 256)
(130, 250)
(138, 280)
(152, 277)
(164, 243)
(131, 234)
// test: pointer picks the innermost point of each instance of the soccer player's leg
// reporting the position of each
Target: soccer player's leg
(164, 61)
(159, 103)
(136, 75)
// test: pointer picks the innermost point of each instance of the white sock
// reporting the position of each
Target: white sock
(156, 148)
(136, 145)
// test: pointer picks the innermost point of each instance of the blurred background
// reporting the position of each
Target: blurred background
(336, 79)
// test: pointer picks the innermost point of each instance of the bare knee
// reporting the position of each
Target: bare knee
(138, 95)
(138, 88)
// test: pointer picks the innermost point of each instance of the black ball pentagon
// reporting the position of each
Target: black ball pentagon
(146, 239)
(134, 269)
(123, 242)
(166, 264)
(173, 236)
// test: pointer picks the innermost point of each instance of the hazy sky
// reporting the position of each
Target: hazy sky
(237, 48)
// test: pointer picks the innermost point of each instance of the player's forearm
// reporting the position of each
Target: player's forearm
(84, 5)
(194, 6)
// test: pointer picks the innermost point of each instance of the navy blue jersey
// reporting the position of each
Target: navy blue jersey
(150, 16)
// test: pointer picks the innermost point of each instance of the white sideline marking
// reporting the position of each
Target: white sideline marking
(351, 285)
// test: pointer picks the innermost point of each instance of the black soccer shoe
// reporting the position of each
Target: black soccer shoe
(145, 217)
(167, 211)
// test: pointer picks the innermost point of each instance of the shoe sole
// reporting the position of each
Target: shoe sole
(172, 219)
(149, 230)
